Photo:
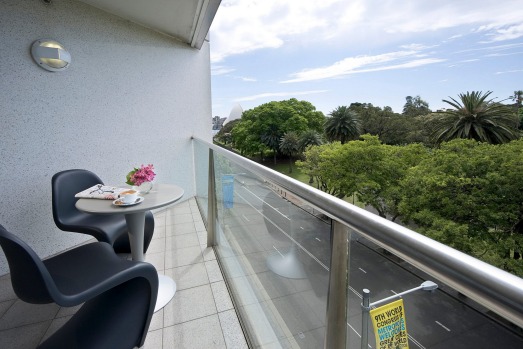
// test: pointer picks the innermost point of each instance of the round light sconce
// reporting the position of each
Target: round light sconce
(50, 55)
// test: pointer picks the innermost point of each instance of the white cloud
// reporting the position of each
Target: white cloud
(505, 33)
(246, 79)
(509, 71)
(496, 48)
(277, 94)
(504, 54)
(242, 26)
(364, 64)
(416, 47)
(221, 70)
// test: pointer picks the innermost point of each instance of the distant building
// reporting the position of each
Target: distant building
(217, 124)
(236, 113)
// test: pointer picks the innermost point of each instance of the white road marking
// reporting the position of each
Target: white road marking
(362, 270)
(247, 219)
(352, 328)
(318, 239)
(445, 327)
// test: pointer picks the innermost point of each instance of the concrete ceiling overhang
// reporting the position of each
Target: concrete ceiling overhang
(185, 20)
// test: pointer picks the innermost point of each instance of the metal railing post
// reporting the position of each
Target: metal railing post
(338, 297)
(365, 309)
(211, 203)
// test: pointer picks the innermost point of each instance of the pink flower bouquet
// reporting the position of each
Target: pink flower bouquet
(141, 175)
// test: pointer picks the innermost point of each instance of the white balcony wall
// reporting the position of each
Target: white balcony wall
(131, 96)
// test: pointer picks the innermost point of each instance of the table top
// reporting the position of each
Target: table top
(161, 195)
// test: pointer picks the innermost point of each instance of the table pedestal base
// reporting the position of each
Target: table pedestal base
(166, 291)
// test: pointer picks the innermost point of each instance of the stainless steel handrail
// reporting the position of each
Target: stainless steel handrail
(492, 287)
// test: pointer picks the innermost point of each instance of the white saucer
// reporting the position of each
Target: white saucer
(118, 202)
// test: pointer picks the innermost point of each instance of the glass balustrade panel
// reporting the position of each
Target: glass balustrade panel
(274, 250)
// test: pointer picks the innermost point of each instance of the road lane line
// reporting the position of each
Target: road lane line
(355, 292)
(247, 219)
(359, 335)
(352, 328)
(362, 270)
(416, 342)
(445, 327)
(318, 239)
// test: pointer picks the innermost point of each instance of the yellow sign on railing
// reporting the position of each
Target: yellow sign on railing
(390, 327)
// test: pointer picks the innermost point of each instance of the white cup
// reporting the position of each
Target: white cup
(129, 196)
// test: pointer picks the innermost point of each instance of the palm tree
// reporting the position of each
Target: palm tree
(289, 146)
(271, 139)
(475, 117)
(343, 125)
(307, 138)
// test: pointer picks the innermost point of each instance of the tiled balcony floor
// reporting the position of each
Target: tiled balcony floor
(200, 315)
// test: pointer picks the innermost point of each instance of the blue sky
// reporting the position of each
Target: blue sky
(336, 52)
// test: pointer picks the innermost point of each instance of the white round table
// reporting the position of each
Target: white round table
(161, 195)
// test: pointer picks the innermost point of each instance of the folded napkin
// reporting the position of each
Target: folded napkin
(100, 191)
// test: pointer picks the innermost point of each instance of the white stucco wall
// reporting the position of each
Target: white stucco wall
(131, 96)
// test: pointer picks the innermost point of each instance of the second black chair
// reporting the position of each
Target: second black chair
(118, 295)
(111, 229)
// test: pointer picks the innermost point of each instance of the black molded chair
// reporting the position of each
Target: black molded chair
(111, 229)
(118, 295)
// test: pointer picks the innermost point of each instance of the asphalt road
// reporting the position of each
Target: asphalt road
(436, 320)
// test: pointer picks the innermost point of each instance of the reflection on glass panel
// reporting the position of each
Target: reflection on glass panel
(275, 254)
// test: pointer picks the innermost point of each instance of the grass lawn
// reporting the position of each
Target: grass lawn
(283, 168)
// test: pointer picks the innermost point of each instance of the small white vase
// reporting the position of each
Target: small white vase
(144, 188)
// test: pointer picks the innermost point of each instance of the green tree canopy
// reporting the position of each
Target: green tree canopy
(321, 165)
(518, 98)
(469, 195)
(224, 135)
(367, 168)
(415, 106)
(391, 128)
(262, 127)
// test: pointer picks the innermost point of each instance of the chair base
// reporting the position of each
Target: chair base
(105, 321)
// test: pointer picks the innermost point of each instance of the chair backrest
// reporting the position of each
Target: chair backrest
(30, 278)
(65, 185)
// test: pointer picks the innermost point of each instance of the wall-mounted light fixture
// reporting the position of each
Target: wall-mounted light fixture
(50, 55)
